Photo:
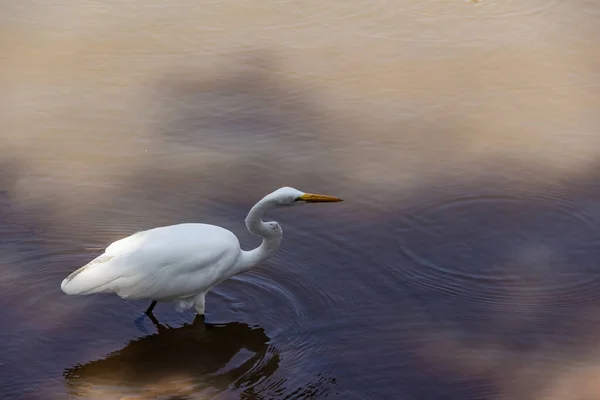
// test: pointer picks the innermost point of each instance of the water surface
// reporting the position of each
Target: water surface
(462, 135)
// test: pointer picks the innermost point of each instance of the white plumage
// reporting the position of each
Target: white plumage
(181, 263)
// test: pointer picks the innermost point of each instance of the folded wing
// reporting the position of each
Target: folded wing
(162, 263)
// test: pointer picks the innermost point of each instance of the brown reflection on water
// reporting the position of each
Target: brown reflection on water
(191, 361)
(188, 360)
(462, 135)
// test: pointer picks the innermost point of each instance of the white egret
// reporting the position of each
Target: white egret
(181, 263)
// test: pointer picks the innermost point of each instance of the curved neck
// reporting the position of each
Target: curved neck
(270, 232)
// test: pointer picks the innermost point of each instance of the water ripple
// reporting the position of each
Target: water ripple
(509, 246)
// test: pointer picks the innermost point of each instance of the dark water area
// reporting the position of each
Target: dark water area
(463, 138)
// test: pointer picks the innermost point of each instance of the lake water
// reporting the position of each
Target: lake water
(462, 135)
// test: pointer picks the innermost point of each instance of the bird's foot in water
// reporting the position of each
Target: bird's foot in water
(198, 326)
(139, 322)
(199, 320)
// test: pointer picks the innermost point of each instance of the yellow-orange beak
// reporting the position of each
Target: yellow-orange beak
(318, 198)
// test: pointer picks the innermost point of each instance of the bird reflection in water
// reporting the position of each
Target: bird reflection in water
(191, 360)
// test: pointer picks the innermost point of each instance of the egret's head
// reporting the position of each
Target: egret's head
(287, 196)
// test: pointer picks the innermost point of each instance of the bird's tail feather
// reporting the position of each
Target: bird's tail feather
(94, 277)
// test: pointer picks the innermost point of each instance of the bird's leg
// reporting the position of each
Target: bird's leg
(198, 324)
(139, 322)
(150, 308)
(157, 324)
(199, 306)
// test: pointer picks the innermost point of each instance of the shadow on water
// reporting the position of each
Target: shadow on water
(193, 359)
